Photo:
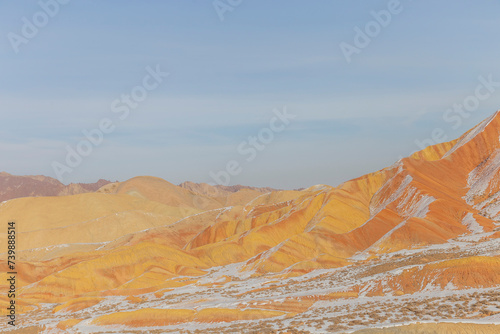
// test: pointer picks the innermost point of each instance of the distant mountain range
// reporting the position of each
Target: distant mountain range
(16, 186)
(418, 241)
(13, 186)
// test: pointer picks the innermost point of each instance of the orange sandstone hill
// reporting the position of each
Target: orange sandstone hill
(416, 242)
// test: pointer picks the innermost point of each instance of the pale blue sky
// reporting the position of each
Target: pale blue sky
(227, 76)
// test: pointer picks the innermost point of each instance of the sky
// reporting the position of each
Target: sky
(197, 90)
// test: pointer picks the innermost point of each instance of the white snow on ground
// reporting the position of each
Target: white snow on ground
(256, 198)
(482, 177)
(318, 282)
(474, 132)
(471, 224)
(375, 208)
(419, 207)
(482, 181)
(428, 322)
(490, 207)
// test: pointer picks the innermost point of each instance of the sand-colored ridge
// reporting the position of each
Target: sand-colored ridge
(425, 227)
(157, 318)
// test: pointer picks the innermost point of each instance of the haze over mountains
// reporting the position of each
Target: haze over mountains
(13, 186)
(416, 241)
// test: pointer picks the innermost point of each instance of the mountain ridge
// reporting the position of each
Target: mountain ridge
(15, 186)
(415, 240)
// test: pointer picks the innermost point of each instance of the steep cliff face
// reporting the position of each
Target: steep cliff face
(415, 241)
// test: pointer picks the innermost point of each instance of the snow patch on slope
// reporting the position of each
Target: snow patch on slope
(481, 179)
(471, 224)
(376, 208)
(418, 208)
(474, 132)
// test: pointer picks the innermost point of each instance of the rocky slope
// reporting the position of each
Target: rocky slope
(417, 241)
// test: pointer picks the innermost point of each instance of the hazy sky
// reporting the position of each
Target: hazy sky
(227, 76)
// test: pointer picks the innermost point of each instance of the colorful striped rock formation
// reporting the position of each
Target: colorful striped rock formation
(414, 244)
